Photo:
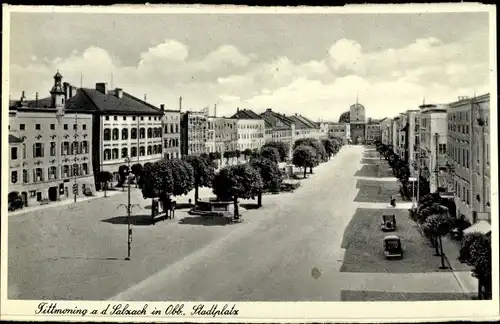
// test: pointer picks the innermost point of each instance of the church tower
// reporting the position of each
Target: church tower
(57, 92)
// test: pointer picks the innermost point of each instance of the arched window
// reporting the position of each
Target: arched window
(76, 170)
(52, 173)
(177, 128)
(171, 128)
(133, 133)
(133, 151)
(149, 149)
(124, 152)
(155, 132)
(64, 148)
(142, 151)
(115, 134)
(107, 154)
(65, 171)
(107, 134)
(159, 148)
(142, 132)
(85, 169)
(124, 134)
(155, 149)
(159, 131)
(115, 154)
(150, 133)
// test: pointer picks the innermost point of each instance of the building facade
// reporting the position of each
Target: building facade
(250, 130)
(433, 140)
(171, 133)
(357, 119)
(372, 131)
(283, 128)
(386, 131)
(340, 130)
(413, 139)
(193, 132)
(395, 133)
(50, 147)
(468, 157)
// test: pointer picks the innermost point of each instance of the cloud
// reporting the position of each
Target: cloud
(387, 80)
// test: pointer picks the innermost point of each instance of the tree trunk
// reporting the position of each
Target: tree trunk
(259, 199)
(152, 211)
(196, 194)
(436, 245)
(236, 211)
(443, 266)
(305, 172)
(105, 189)
(310, 170)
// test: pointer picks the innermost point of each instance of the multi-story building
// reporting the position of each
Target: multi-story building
(340, 130)
(250, 128)
(395, 134)
(171, 133)
(468, 156)
(412, 138)
(304, 127)
(433, 140)
(51, 145)
(386, 131)
(210, 140)
(283, 128)
(357, 119)
(402, 138)
(193, 132)
(372, 131)
(226, 134)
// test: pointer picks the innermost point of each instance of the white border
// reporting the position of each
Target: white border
(271, 311)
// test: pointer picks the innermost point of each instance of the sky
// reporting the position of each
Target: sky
(310, 64)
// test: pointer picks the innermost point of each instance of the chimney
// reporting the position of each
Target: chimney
(162, 107)
(102, 87)
(23, 97)
(73, 90)
(237, 109)
(215, 110)
(36, 99)
(180, 103)
(118, 93)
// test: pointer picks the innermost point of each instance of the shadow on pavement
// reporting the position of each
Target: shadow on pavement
(250, 206)
(177, 206)
(139, 220)
(363, 242)
(198, 220)
(351, 295)
(87, 258)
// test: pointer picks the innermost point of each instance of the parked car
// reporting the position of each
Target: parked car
(388, 223)
(393, 248)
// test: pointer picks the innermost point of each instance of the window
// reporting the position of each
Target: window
(149, 118)
(155, 133)
(65, 126)
(142, 132)
(52, 126)
(149, 149)
(52, 173)
(107, 154)
(159, 148)
(38, 175)
(142, 151)
(25, 176)
(84, 126)
(150, 132)
(75, 126)
(171, 128)
(38, 150)
(442, 149)
(107, 134)
(142, 118)
(124, 117)
(155, 149)
(13, 176)
(52, 148)
(65, 171)
(76, 171)
(64, 148)
(107, 117)
(38, 126)
(115, 134)
(115, 118)
(133, 133)
(22, 126)
(133, 118)
(124, 134)
(85, 169)
(13, 153)
(114, 154)
(75, 148)
(85, 147)
(133, 151)
(124, 152)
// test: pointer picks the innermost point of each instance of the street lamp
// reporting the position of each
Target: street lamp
(128, 207)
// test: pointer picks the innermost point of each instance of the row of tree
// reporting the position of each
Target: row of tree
(310, 152)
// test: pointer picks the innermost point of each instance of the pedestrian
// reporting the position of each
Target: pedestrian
(393, 201)
(173, 204)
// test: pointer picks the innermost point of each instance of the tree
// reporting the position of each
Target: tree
(247, 153)
(270, 153)
(227, 155)
(15, 201)
(316, 145)
(476, 252)
(183, 176)
(137, 171)
(282, 147)
(270, 174)
(329, 146)
(237, 154)
(122, 174)
(104, 177)
(303, 157)
(203, 172)
(438, 225)
(237, 181)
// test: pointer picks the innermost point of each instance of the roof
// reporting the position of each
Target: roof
(245, 114)
(391, 237)
(482, 227)
(271, 116)
(14, 140)
(308, 122)
(299, 124)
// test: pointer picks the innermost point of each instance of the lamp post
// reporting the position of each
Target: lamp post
(128, 208)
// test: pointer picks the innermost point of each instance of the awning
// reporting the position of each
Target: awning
(482, 227)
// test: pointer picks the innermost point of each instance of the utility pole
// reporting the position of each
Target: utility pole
(128, 208)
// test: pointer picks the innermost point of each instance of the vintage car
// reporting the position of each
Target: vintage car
(388, 223)
(392, 247)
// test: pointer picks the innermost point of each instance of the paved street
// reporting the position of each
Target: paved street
(290, 249)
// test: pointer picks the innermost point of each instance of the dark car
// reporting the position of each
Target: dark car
(393, 248)
(388, 223)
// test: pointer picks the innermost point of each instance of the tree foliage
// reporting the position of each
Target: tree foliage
(270, 153)
(247, 153)
(15, 201)
(282, 147)
(304, 157)
(183, 176)
(316, 145)
(203, 171)
(237, 181)
(438, 225)
(476, 252)
(269, 172)
(136, 169)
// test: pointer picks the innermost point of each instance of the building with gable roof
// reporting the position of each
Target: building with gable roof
(250, 129)
(282, 127)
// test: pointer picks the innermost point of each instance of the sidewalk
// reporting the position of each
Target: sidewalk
(98, 194)
(462, 272)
